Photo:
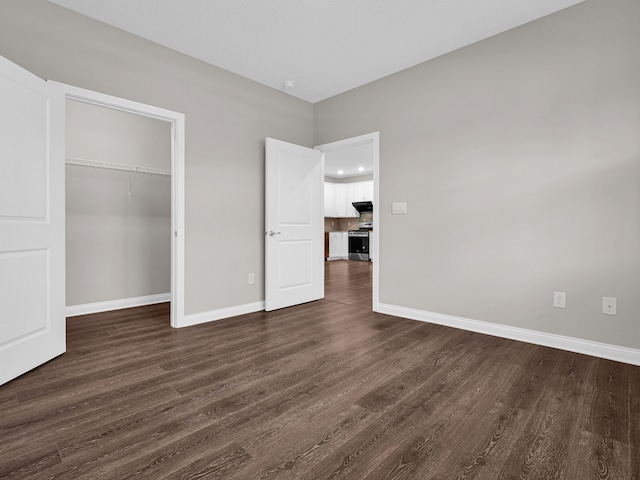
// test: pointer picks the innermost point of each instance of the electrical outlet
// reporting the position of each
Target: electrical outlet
(609, 305)
(252, 279)
(559, 299)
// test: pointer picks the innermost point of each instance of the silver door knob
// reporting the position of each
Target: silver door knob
(272, 233)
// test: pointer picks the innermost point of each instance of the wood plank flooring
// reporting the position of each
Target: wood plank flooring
(325, 390)
(349, 282)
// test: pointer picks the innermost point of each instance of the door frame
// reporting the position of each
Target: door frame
(374, 139)
(177, 121)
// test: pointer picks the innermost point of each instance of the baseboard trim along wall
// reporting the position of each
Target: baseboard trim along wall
(86, 309)
(595, 349)
(212, 315)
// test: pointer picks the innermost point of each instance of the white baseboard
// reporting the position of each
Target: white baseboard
(75, 310)
(212, 315)
(587, 347)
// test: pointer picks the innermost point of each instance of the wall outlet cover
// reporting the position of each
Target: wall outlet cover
(559, 299)
(609, 306)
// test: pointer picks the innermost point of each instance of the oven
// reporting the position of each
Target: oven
(360, 240)
(359, 245)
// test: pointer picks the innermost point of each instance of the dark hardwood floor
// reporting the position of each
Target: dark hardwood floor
(325, 390)
(349, 282)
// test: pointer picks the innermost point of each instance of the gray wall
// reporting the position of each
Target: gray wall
(118, 245)
(519, 159)
(227, 119)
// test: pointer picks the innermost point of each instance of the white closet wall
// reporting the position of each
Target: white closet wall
(118, 244)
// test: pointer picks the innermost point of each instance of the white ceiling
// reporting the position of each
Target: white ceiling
(325, 46)
(349, 160)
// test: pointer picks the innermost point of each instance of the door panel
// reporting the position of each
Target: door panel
(298, 253)
(294, 189)
(23, 275)
(23, 191)
(32, 326)
(294, 224)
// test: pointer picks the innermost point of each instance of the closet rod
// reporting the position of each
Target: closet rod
(116, 166)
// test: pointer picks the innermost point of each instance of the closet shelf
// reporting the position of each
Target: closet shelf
(117, 166)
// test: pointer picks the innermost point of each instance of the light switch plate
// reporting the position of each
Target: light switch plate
(398, 207)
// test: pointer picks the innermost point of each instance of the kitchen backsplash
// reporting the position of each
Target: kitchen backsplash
(340, 224)
(366, 217)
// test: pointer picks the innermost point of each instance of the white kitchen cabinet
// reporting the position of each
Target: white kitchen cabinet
(363, 191)
(344, 200)
(338, 198)
(338, 247)
(330, 209)
(351, 197)
(341, 199)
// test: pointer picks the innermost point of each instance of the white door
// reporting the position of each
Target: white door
(294, 225)
(32, 282)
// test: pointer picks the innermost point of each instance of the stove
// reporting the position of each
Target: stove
(359, 241)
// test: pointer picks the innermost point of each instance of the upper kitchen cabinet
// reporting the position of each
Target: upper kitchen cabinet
(344, 197)
(363, 191)
(338, 198)
(330, 209)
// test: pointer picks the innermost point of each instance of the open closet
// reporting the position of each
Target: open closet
(118, 209)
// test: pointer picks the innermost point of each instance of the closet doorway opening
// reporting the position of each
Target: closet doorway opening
(125, 205)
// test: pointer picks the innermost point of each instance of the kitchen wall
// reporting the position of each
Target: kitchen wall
(227, 120)
(519, 160)
(118, 245)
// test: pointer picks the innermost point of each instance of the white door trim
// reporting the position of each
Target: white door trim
(373, 138)
(177, 121)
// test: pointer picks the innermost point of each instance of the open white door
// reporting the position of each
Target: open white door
(294, 225)
(32, 282)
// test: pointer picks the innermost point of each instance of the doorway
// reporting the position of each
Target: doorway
(350, 151)
(175, 122)
(118, 209)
